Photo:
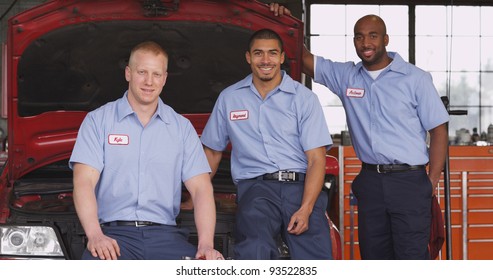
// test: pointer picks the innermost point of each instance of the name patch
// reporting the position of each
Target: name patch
(355, 92)
(238, 115)
(118, 139)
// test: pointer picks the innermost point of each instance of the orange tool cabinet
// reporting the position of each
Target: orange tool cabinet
(471, 202)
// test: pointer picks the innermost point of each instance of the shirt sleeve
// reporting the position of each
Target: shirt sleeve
(88, 147)
(314, 130)
(334, 75)
(215, 134)
(194, 159)
(431, 110)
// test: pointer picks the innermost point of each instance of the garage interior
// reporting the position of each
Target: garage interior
(463, 74)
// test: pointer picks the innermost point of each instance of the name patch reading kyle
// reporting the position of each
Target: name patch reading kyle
(118, 139)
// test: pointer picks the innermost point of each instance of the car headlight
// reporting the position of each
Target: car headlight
(29, 241)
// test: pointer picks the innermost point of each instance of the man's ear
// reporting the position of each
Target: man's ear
(247, 57)
(127, 73)
(165, 77)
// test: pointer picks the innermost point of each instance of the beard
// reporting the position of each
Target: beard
(375, 59)
(266, 78)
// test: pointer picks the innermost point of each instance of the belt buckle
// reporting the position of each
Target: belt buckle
(380, 171)
(139, 225)
(291, 176)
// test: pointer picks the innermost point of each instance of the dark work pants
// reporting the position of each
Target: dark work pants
(394, 214)
(264, 211)
(149, 243)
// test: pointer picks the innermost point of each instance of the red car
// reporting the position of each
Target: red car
(65, 58)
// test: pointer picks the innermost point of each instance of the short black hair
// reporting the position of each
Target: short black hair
(265, 34)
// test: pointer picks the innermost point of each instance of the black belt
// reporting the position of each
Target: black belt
(283, 176)
(130, 223)
(389, 168)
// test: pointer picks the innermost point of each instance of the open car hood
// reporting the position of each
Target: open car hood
(65, 58)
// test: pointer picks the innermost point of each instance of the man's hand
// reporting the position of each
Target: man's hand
(299, 222)
(208, 253)
(104, 247)
(435, 184)
(279, 10)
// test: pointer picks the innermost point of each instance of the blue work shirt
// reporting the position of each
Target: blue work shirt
(142, 168)
(388, 117)
(268, 134)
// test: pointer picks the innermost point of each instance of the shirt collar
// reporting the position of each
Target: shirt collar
(124, 109)
(286, 84)
(398, 64)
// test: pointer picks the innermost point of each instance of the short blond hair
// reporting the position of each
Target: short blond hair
(148, 46)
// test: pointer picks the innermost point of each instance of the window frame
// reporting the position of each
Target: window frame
(483, 107)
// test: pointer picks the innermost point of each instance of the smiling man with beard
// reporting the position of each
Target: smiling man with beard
(279, 140)
(390, 106)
